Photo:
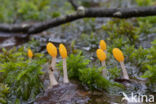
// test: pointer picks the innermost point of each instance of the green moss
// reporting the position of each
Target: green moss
(32, 10)
(93, 78)
(114, 73)
(121, 29)
(74, 63)
(78, 69)
(20, 73)
(145, 2)
(4, 91)
(137, 57)
(151, 64)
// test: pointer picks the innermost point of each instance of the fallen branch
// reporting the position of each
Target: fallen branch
(86, 13)
(75, 6)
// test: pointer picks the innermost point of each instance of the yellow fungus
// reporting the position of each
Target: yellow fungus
(117, 53)
(103, 45)
(101, 54)
(63, 51)
(30, 53)
(52, 50)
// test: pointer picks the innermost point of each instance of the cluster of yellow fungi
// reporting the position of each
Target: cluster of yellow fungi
(117, 53)
(101, 54)
(52, 50)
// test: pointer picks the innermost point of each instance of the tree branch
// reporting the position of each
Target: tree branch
(86, 13)
(14, 28)
(75, 6)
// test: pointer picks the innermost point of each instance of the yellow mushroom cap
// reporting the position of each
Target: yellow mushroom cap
(30, 53)
(117, 53)
(52, 50)
(63, 51)
(101, 54)
(103, 45)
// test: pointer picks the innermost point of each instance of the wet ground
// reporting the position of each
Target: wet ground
(95, 97)
(72, 32)
(63, 94)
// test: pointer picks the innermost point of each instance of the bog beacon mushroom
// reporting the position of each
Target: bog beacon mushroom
(103, 45)
(117, 53)
(63, 53)
(52, 50)
(102, 57)
(30, 53)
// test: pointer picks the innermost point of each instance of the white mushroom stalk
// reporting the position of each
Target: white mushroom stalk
(63, 53)
(65, 75)
(120, 58)
(124, 71)
(52, 50)
(102, 57)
